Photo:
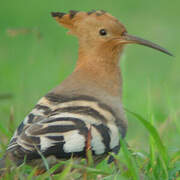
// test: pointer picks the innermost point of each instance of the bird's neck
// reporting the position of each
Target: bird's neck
(101, 68)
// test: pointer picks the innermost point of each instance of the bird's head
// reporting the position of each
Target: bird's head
(99, 31)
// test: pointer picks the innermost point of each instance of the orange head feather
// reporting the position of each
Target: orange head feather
(97, 32)
(79, 22)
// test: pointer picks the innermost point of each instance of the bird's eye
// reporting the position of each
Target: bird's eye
(103, 32)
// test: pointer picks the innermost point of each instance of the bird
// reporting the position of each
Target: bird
(87, 102)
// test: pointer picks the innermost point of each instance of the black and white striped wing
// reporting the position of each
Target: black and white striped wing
(59, 126)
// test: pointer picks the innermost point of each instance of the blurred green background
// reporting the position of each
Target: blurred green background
(36, 54)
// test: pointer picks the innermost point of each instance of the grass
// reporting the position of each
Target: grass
(36, 55)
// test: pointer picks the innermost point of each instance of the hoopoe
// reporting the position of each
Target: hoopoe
(89, 100)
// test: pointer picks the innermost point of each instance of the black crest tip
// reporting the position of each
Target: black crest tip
(91, 12)
(72, 13)
(98, 13)
(57, 14)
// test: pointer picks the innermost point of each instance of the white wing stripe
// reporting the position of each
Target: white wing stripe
(85, 118)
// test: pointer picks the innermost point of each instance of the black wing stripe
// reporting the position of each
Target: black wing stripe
(31, 139)
(104, 131)
(26, 145)
(78, 124)
(13, 140)
(56, 138)
(56, 98)
(54, 129)
(20, 128)
(31, 116)
(83, 110)
(46, 109)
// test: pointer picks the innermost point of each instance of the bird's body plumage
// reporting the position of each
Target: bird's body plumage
(59, 123)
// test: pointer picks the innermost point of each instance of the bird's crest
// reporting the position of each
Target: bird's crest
(73, 18)
(87, 26)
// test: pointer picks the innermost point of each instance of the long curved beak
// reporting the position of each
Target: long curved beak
(129, 39)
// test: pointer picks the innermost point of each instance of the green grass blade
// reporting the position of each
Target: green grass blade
(49, 172)
(89, 169)
(151, 118)
(152, 146)
(45, 163)
(44, 159)
(130, 161)
(160, 146)
(175, 158)
(151, 129)
(30, 176)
